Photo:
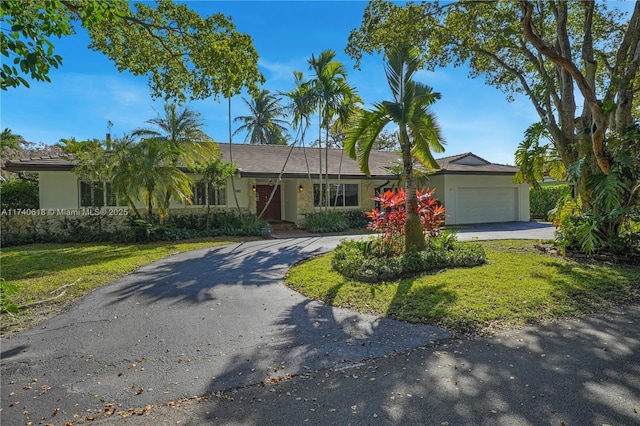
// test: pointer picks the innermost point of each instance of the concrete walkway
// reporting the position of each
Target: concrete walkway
(220, 321)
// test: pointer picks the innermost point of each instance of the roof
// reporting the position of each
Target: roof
(267, 161)
(260, 161)
(469, 163)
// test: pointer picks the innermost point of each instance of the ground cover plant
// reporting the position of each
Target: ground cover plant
(385, 256)
(518, 285)
(44, 271)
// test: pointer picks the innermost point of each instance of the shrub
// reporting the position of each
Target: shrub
(361, 260)
(389, 220)
(356, 219)
(542, 200)
(323, 222)
(19, 194)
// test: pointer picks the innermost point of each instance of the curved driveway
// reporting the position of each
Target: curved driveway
(194, 324)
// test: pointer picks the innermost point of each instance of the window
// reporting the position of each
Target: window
(217, 196)
(340, 194)
(93, 194)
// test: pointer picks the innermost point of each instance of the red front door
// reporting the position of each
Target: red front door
(273, 212)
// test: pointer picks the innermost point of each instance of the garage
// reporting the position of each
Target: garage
(485, 205)
(474, 190)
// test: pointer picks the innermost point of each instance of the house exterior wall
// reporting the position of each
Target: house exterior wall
(290, 200)
(437, 182)
(58, 190)
(495, 185)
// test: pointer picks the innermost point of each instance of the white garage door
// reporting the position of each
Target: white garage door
(486, 205)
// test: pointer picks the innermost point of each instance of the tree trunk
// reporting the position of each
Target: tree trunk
(233, 183)
(413, 236)
(599, 122)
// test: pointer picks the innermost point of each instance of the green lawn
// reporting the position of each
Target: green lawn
(518, 285)
(41, 269)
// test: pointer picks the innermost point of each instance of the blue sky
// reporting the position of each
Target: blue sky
(88, 91)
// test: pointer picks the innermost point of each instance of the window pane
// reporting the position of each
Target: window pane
(199, 195)
(336, 194)
(218, 196)
(85, 194)
(318, 196)
(351, 194)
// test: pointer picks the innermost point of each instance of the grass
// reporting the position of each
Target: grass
(518, 286)
(40, 270)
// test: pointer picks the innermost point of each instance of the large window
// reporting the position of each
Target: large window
(340, 194)
(98, 194)
(201, 191)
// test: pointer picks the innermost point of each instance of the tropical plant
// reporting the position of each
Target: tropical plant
(145, 172)
(181, 131)
(10, 140)
(419, 131)
(538, 160)
(390, 218)
(335, 100)
(301, 107)
(264, 125)
(214, 175)
(577, 63)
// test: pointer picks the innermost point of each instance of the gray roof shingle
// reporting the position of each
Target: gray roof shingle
(267, 161)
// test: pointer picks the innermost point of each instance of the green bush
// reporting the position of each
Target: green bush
(323, 222)
(361, 260)
(19, 194)
(335, 221)
(356, 219)
(80, 229)
(542, 200)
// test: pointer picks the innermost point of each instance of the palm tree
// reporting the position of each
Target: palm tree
(264, 125)
(418, 130)
(181, 131)
(301, 107)
(145, 172)
(335, 98)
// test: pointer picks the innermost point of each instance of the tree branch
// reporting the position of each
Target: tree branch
(598, 117)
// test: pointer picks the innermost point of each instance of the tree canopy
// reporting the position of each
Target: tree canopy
(541, 49)
(183, 54)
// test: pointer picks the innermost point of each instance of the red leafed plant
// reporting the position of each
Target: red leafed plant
(390, 217)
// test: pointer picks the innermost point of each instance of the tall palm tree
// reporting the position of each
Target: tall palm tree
(181, 130)
(301, 106)
(418, 130)
(335, 98)
(264, 125)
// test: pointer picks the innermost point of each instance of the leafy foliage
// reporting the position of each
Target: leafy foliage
(364, 260)
(325, 222)
(418, 130)
(607, 223)
(544, 51)
(390, 218)
(265, 124)
(7, 290)
(184, 54)
(19, 194)
(536, 160)
(545, 199)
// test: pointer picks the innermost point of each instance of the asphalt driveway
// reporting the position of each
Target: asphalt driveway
(192, 324)
(195, 324)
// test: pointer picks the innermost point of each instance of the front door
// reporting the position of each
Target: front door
(273, 212)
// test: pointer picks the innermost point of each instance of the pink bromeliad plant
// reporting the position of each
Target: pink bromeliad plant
(389, 219)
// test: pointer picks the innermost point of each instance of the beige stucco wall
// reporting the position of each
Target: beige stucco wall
(59, 190)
